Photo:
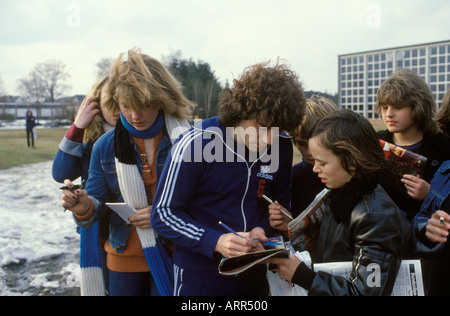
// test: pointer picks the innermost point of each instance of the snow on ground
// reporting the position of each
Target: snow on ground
(39, 246)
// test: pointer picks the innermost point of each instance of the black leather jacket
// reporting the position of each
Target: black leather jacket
(376, 232)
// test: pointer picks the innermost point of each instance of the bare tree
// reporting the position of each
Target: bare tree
(104, 67)
(46, 82)
(32, 88)
(53, 76)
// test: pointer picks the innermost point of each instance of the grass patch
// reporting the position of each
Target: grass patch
(14, 150)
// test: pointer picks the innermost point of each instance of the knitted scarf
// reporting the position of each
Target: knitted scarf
(342, 201)
(92, 264)
(133, 192)
(151, 132)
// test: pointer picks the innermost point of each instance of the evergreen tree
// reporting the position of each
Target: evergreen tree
(199, 82)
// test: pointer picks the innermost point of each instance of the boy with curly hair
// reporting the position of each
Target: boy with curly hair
(219, 171)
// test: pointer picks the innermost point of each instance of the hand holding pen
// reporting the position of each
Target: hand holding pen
(75, 198)
(279, 217)
(281, 209)
(235, 244)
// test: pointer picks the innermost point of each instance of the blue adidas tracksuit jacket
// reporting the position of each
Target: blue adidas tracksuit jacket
(199, 187)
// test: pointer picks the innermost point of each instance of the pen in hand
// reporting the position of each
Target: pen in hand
(229, 229)
(75, 187)
(271, 202)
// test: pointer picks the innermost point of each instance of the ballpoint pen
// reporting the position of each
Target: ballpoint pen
(233, 232)
(271, 202)
(229, 229)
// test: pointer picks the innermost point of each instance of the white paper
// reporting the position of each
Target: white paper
(123, 210)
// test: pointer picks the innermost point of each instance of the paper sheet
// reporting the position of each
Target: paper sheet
(123, 210)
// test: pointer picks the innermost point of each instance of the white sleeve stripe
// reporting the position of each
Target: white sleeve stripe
(165, 214)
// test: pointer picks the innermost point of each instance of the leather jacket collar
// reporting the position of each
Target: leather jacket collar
(342, 201)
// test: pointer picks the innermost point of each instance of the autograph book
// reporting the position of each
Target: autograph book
(274, 248)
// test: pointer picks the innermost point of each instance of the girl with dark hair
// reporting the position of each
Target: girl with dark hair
(361, 223)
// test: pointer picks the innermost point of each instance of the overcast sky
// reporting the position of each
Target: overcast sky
(227, 34)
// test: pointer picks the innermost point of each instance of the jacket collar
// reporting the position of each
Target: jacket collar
(342, 201)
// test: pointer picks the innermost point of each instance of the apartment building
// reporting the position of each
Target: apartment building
(361, 74)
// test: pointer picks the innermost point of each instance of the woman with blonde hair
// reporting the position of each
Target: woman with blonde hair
(125, 167)
(98, 113)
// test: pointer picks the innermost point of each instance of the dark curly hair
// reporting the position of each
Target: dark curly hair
(271, 95)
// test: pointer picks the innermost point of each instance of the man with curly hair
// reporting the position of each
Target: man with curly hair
(219, 171)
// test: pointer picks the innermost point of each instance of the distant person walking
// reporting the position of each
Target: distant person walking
(30, 123)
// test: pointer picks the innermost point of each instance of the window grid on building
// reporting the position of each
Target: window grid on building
(361, 74)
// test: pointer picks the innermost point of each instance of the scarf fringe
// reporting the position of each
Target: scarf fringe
(92, 282)
(91, 263)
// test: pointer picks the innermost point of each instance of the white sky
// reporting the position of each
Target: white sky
(227, 34)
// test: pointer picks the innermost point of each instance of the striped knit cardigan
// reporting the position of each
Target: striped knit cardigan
(133, 191)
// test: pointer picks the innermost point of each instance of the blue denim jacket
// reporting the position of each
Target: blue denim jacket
(102, 184)
(437, 199)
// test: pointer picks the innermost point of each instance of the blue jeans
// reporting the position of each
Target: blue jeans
(132, 284)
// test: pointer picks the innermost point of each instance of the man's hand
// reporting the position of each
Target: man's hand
(230, 245)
